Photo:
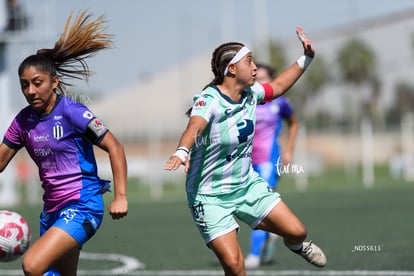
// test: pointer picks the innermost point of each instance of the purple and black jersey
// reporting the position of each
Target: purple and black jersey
(61, 145)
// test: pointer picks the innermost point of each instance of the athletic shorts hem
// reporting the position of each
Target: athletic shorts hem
(265, 213)
(221, 233)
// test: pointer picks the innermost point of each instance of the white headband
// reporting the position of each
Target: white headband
(240, 54)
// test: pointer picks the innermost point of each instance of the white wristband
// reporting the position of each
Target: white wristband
(184, 148)
(182, 153)
(304, 62)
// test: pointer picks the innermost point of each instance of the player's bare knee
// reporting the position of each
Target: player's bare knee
(296, 235)
(236, 269)
(301, 232)
(31, 268)
(233, 265)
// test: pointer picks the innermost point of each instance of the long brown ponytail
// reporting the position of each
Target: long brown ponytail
(66, 59)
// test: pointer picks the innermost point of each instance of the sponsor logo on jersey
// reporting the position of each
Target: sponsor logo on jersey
(97, 124)
(31, 118)
(97, 127)
(43, 152)
(48, 165)
(41, 138)
(200, 103)
(87, 115)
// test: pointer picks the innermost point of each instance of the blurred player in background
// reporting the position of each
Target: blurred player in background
(221, 182)
(266, 156)
(59, 133)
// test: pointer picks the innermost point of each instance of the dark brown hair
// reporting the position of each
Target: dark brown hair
(269, 70)
(220, 59)
(66, 59)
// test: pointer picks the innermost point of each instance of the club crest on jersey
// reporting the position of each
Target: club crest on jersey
(58, 131)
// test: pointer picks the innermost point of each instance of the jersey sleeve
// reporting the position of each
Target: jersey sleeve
(264, 92)
(286, 108)
(85, 123)
(12, 137)
(95, 131)
(203, 106)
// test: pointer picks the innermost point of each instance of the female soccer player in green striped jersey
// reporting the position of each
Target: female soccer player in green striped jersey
(216, 149)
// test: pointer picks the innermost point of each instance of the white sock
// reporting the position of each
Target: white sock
(294, 247)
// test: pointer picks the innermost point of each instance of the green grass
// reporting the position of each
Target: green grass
(341, 219)
(339, 213)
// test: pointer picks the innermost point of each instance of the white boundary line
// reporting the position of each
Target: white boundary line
(13, 272)
(5, 272)
(129, 263)
(273, 273)
(133, 267)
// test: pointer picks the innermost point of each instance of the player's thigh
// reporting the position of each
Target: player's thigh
(68, 264)
(227, 248)
(49, 248)
(282, 221)
(213, 215)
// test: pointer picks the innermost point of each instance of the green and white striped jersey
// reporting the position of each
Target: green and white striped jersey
(220, 160)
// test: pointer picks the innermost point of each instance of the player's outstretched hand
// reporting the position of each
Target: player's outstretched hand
(174, 163)
(307, 44)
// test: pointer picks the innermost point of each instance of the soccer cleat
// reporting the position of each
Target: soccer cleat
(313, 254)
(252, 262)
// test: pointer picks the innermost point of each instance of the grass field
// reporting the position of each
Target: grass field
(362, 231)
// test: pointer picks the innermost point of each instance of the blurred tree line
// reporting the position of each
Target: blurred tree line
(356, 63)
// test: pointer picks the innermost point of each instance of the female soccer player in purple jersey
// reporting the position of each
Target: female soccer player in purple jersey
(59, 133)
(221, 183)
(267, 158)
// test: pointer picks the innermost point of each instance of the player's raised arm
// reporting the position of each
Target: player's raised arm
(307, 44)
(287, 78)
